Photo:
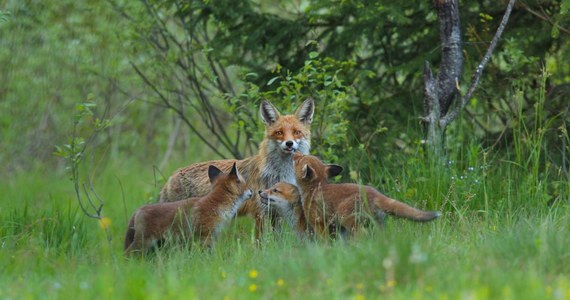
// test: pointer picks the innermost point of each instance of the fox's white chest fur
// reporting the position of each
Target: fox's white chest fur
(279, 167)
(227, 215)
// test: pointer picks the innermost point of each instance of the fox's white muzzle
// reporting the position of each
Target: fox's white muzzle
(289, 146)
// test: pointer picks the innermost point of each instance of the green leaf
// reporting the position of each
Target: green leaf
(313, 55)
(272, 80)
(555, 32)
(564, 6)
(252, 75)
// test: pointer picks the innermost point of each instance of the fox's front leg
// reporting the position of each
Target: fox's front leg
(259, 227)
(139, 246)
(320, 228)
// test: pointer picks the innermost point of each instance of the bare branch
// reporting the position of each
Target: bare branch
(97, 209)
(177, 110)
(450, 117)
(155, 170)
(565, 141)
(123, 198)
(76, 155)
(171, 142)
(545, 17)
(92, 189)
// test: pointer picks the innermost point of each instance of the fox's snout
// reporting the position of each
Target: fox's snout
(289, 146)
(248, 193)
(263, 197)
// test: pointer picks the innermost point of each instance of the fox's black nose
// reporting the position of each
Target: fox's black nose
(289, 144)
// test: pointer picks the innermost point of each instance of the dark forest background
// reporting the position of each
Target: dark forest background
(181, 80)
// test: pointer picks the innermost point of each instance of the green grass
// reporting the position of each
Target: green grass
(512, 249)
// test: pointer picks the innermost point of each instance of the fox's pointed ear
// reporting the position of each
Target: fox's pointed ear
(213, 173)
(269, 114)
(308, 172)
(333, 170)
(305, 111)
(234, 170)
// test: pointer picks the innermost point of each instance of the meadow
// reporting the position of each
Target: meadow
(513, 247)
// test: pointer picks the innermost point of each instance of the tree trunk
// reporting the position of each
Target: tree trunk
(440, 92)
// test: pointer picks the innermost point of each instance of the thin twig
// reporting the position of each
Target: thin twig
(92, 189)
(75, 155)
(97, 209)
(545, 17)
(450, 117)
(178, 111)
(123, 198)
(171, 143)
(564, 142)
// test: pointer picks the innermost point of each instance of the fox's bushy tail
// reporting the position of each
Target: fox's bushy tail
(400, 209)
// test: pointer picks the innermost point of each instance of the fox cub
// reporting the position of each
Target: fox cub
(327, 204)
(285, 198)
(201, 218)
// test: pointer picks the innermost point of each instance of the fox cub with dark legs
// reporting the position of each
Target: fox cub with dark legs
(342, 205)
(285, 198)
(284, 136)
(199, 218)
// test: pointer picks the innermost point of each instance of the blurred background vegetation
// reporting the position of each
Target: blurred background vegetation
(181, 80)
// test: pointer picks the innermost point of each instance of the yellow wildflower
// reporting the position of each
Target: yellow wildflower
(253, 288)
(280, 282)
(105, 222)
(253, 274)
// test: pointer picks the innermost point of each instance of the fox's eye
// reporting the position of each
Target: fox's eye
(297, 132)
(279, 132)
(275, 190)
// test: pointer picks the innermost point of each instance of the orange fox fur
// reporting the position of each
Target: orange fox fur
(327, 204)
(284, 136)
(286, 199)
(202, 218)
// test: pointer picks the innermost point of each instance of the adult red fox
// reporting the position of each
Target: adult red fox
(286, 199)
(200, 218)
(284, 136)
(327, 204)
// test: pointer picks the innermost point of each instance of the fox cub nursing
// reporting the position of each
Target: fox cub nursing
(327, 204)
(284, 136)
(201, 218)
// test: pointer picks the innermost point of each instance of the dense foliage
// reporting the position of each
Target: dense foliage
(210, 62)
